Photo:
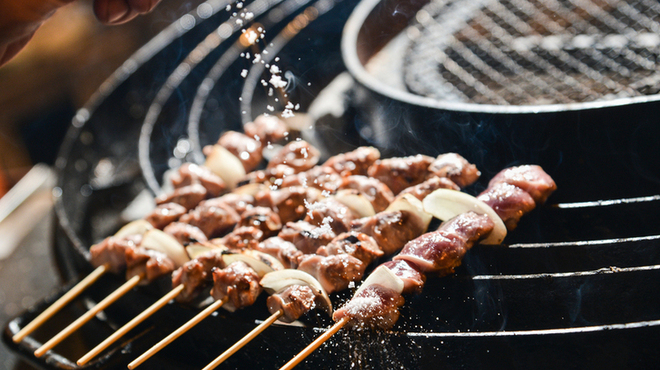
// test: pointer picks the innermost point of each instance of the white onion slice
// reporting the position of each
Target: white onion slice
(261, 263)
(197, 249)
(160, 241)
(137, 227)
(384, 277)
(226, 165)
(413, 205)
(356, 202)
(445, 204)
(277, 281)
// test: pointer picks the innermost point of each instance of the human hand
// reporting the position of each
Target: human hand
(20, 19)
(120, 11)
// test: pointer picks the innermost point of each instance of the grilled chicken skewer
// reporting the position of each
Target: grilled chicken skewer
(467, 222)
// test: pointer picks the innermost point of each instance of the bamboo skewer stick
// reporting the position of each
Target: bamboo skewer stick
(125, 288)
(177, 333)
(130, 325)
(315, 344)
(60, 303)
(245, 340)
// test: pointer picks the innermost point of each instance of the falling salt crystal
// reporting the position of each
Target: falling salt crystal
(270, 91)
(249, 15)
(247, 55)
(277, 99)
(265, 51)
(351, 285)
(240, 98)
(257, 58)
(242, 55)
(239, 5)
(251, 36)
(277, 81)
(309, 84)
(325, 193)
(289, 105)
(228, 7)
(270, 108)
(304, 182)
(239, 22)
(245, 156)
(287, 113)
(277, 59)
(278, 182)
(244, 73)
(304, 152)
(274, 69)
(264, 83)
(273, 187)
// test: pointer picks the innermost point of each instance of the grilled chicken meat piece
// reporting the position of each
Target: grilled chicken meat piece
(238, 282)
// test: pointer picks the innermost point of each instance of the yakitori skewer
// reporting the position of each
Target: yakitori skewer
(107, 301)
(130, 325)
(468, 220)
(177, 333)
(60, 303)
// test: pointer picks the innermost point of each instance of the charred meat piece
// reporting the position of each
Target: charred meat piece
(420, 191)
(271, 176)
(245, 148)
(188, 196)
(334, 272)
(391, 230)
(508, 201)
(112, 250)
(373, 307)
(337, 214)
(262, 218)
(356, 244)
(289, 203)
(305, 236)
(455, 168)
(268, 129)
(299, 155)
(238, 202)
(530, 178)
(413, 280)
(442, 250)
(356, 162)
(244, 237)
(190, 173)
(149, 263)
(401, 172)
(238, 282)
(377, 193)
(322, 178)
(165, 214)
(214, 217)
(284, 251)
(294, 301)
(185, 233)
(196, 274)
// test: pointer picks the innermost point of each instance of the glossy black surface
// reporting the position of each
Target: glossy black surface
(589, 274)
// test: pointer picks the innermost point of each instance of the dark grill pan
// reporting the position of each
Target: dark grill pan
(576, 284)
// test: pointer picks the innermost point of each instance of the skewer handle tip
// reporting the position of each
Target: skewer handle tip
(60, 303)
(315, 344)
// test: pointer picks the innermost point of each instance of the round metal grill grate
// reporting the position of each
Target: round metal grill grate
(522, 52)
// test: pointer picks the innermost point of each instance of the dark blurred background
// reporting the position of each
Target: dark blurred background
(67, 60)
(40, 90)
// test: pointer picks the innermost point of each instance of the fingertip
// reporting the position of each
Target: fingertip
(112, 11)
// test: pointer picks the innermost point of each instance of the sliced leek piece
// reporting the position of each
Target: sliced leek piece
(259, 265)
(356, 202)
(384, 277)
(445, 204)
(226, 165)
(277, 281)
(137, 227)
(160, 241)
(413, 205)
